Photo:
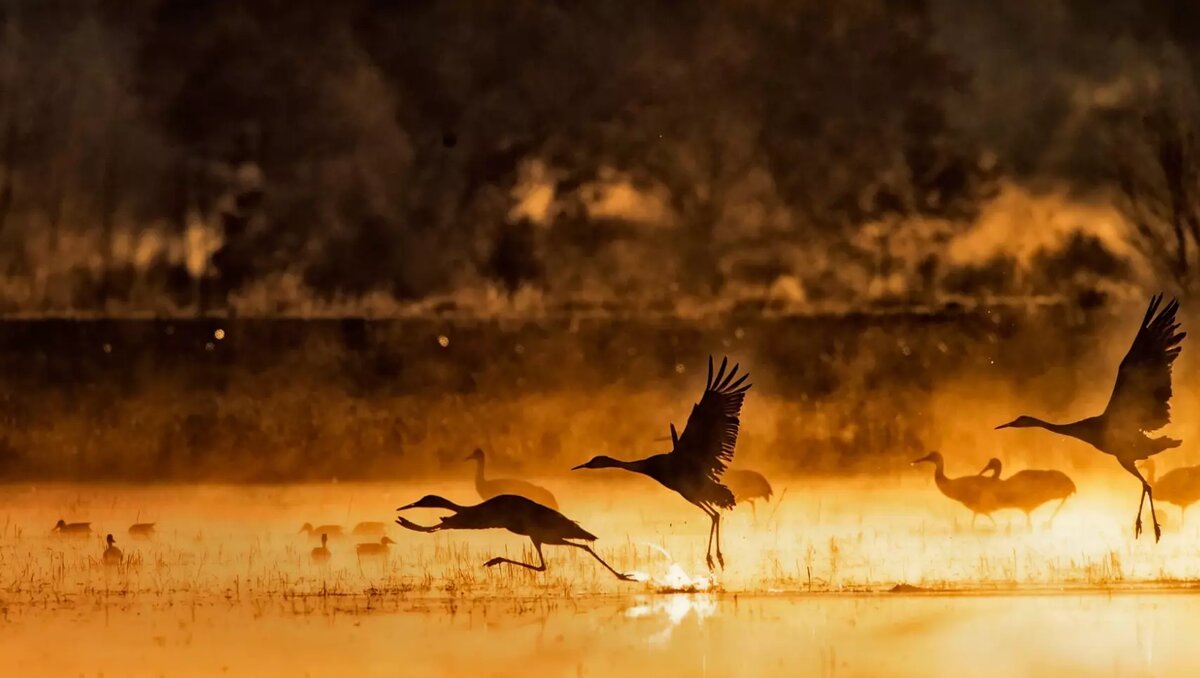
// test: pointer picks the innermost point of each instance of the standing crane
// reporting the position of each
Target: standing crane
(516, 514)
(1029, 489)
(1140, 403)
(747, 486)
(498, 486)
(697, 459)
(977, 493)
(1179, 486)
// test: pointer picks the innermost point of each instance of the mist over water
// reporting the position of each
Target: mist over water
(354, 399)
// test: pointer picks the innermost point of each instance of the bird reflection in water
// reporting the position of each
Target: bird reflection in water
(675, 608)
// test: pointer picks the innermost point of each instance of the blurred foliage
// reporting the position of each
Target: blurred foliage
(276, 400)
(158, 156)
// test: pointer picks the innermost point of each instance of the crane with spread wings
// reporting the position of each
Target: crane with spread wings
(698, 457)
(1140, 403)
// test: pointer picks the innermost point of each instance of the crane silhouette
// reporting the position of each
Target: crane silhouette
(1179, 486)
(977, 492)
(1027, 490)
(694, 466)
(516, 514)
(498, 486)
(747, 486)
(1140, 403)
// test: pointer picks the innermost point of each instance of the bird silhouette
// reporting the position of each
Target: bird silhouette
(976, 492)
(694, 466)
(1180, 486)
(141, 530)
(320, 555)
(330, 531)
(1140, 403)
(516, 514)
(369, 528)
(747, 486)
(498, 486)
(1029, 489)
(373, 549)
(112, 554)
(75, 530)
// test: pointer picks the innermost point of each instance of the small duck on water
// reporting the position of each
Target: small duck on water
(112, 555)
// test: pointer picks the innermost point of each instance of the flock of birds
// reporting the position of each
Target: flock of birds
(696, 466)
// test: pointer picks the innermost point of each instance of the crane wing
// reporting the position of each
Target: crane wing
(711, 432)
(1141, 397)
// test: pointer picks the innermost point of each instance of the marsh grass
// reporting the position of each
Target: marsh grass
(829, 537)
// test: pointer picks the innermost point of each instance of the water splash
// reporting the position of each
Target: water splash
(675, 579)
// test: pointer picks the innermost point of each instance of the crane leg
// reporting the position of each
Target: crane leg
(409, 525)
(717, 522)
(585, 547)
(1029, 520)
(1056, 510)
(540, 567)
(753, 511)
(712, 529)
(1147, 494)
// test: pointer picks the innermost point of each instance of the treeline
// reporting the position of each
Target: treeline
(179, 155)
(286, 400)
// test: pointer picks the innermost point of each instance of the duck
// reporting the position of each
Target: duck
(141, 530)
(74, 530)
(369, 528)
(329, 531)
(320, 555)
(374, 549)
(112, 555)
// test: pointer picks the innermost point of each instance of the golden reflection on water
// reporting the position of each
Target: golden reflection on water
(228, 587)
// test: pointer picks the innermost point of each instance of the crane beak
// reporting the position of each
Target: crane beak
(914, 462)
(576, 468)
(407, 506)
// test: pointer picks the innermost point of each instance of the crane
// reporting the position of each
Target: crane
(519, 515)
(1029, 489)
(694, 466)
(976, 492)
(1140, 403)
(1179, 486)
(498, 486)
(747, 486)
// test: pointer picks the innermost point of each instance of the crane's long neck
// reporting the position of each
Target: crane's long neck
(479, 479)
(635, 465)
(1073, 429)
(939, 471)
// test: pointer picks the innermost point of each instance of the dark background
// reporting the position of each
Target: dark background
(169, 157)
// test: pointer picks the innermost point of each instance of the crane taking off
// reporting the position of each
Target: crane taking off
(543, 525)
(697, 459)
(1140, 403)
